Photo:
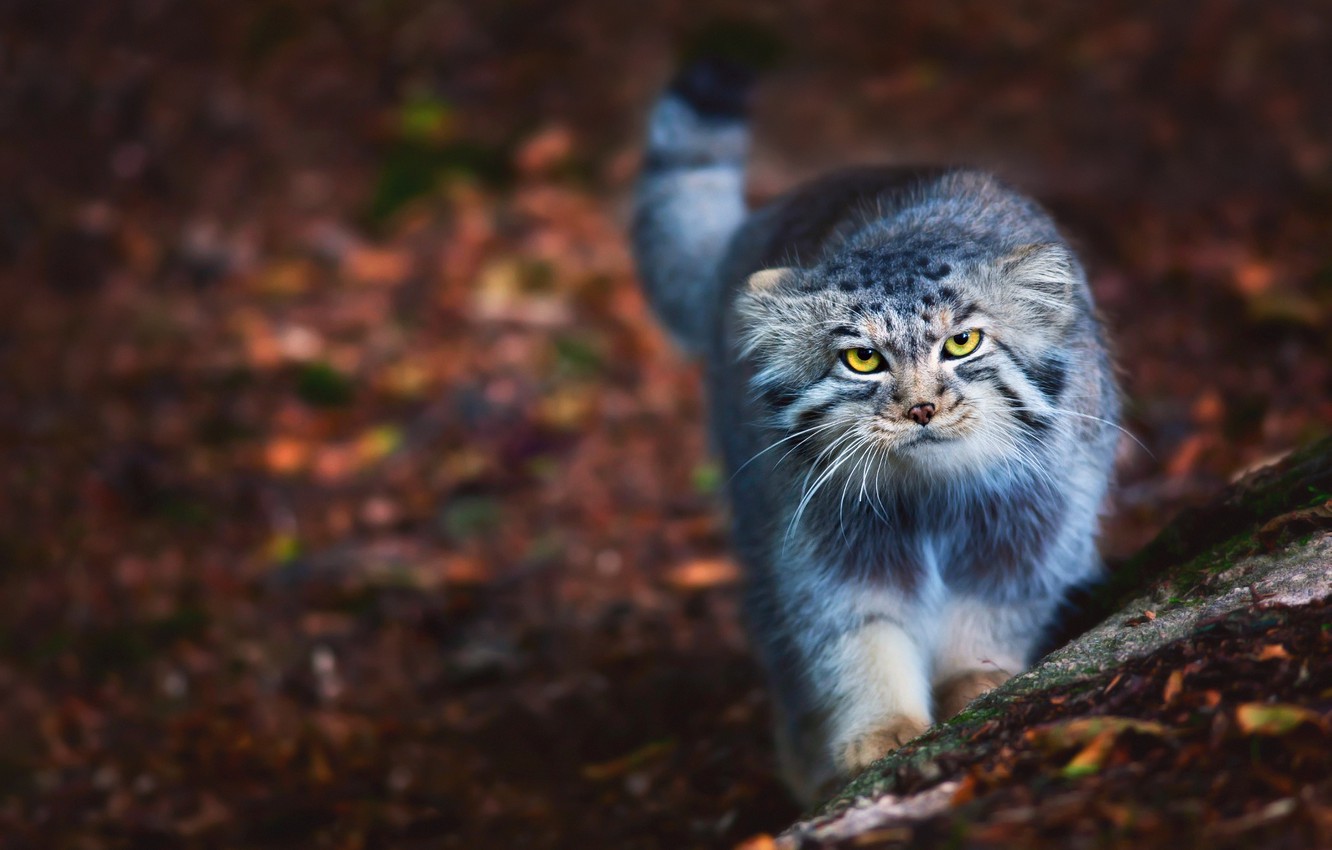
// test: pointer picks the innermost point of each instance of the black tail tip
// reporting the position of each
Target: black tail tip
(715, 87)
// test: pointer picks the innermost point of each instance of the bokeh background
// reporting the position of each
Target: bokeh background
(351, 496)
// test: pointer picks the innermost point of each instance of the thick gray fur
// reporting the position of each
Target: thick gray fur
(891, 566)
(692, 189)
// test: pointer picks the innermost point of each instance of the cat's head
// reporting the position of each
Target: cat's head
(923, 353)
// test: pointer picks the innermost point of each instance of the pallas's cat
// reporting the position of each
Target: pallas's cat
(915, 406)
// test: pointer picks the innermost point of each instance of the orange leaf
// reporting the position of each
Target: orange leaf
(704, 572)
(1254, 278)
(1082, 731)
(1188, 455)
(1174, 685)
(377, 266)
(966, 790)
(461, 569)
(1271, 651)
(1093, 756)
(285, 455)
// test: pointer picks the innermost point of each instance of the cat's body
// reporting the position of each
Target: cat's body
(916, 411)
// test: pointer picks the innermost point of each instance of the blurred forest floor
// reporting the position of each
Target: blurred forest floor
(351, 496)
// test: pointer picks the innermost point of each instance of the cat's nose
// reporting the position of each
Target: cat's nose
(922, 413)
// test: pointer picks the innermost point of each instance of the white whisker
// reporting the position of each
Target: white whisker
(823, 427)
(1062, 411)
(822, 479)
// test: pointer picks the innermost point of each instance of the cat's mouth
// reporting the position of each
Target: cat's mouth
(926, 438)
(918, 437)
(904, 439)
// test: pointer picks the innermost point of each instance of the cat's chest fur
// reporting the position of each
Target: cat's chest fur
(983, 536)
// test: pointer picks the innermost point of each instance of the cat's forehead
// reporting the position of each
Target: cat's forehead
(918, 291)
(895, 274)
(921, 271)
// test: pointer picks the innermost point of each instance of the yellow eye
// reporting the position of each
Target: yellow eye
(862, 360)
(960, 345)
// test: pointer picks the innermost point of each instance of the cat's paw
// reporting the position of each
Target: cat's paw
(952, 694)
(863, 750)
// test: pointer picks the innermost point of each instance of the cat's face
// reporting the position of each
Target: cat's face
(907, 361)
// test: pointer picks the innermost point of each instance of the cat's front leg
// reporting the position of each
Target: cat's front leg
(880, 677)
(983, 644)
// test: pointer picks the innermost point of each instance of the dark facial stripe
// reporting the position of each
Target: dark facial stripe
(809, 418)
(963, 313)
(1050, 375)
(780, 398)
(864, 391)
(976, 371)
(844, 330)
(1034, 423)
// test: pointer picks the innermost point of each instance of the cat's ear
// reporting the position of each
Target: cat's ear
(764, 314)
(1044, 273)
(769, 280)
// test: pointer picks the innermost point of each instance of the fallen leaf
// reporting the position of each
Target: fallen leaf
(1260, 718)
(377, 266)
(1093, 756)
(624, 764)
(285, 455)
(882, 836)
(378, 443)
(1187, 457)
(545, 151)
(566, 408)
(1081, 731)
(1276, 810)
(1254, 277)
(1144, 617)
(461, 569)
(1271, 651)
(287, 278)
(1209, 409)
(966, 791)
(1295, 523)
(1173, 686)
(703, 573)
(282, 548)
(1284, 308)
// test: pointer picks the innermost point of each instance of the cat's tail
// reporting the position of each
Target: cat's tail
(690, 198)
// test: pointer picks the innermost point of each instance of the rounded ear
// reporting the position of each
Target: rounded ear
(1048, 272)
(767, 280)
